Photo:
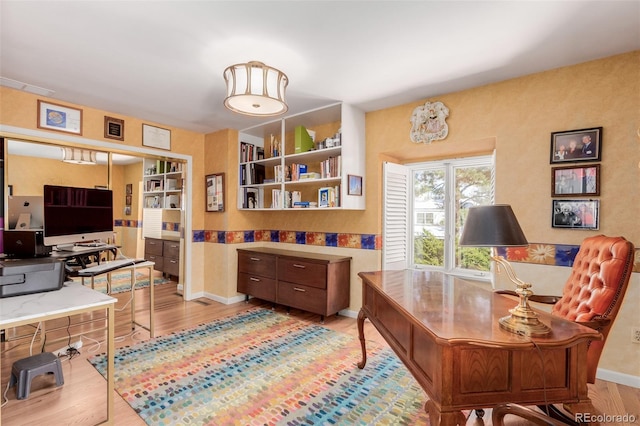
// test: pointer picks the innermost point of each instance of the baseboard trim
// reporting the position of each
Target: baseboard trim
(619, 378)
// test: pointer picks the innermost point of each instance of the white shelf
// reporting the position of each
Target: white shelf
(326, 122)
(160, 197)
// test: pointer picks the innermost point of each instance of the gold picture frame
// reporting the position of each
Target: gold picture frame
(60, 118)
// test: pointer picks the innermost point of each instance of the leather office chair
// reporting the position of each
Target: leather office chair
(593, 293)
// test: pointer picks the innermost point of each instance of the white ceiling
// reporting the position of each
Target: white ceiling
(162, 61)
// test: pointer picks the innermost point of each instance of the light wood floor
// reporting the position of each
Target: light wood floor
(81, 400)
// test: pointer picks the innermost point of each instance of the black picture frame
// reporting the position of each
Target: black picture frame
(575, 181)
(573, 146)
(575, 214)
(355, 185)
(214, 192)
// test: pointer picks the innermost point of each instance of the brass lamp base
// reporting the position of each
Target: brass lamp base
(524, 323)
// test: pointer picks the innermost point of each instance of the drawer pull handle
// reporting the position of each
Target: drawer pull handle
(296, 265)
(173, 261)
(300, 289)
(254, 279)
(255, 259)
(174, 246)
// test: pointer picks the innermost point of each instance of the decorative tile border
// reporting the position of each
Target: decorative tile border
(134, 223)
(537, 253)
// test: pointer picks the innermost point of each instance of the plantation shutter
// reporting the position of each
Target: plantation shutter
(395, 216)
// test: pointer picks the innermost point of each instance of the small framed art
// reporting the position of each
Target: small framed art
(113, 128)
(355, 185)
(576, 145)
(59, 118)
(214, 185)
(575, 181)
(576, 214)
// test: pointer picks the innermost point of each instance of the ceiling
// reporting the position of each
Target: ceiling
(163, 61)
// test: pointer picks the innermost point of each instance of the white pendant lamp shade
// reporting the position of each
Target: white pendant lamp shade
(78, 156)
(255, 89)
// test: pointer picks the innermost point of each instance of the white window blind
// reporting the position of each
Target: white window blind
(396, 216)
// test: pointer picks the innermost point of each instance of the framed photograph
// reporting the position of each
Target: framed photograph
(59, 118)
(128, 188)
(323, 197)
(575, 181)
(214, 185)
(156, 137)
(576, 214)
(355, 185)
(113, 128)
(576, 145)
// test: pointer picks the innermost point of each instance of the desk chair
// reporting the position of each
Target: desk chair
(593, 293)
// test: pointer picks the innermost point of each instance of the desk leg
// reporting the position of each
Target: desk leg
(438, 418)
(152, 302)
(361, 317)
(133, 299)
(111, 348)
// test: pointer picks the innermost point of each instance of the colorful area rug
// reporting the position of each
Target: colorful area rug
(121, 282)
(264, 368)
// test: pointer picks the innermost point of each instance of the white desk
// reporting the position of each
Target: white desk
(88, 273)
(72, 299)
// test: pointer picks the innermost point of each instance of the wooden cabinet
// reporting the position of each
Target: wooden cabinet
(165, 253)
(281, 168)
(312, 282)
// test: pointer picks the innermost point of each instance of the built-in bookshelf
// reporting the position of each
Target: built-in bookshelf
(162, 184)
(303, 161)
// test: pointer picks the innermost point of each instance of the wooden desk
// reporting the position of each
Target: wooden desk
(445, 330)
(71, 299)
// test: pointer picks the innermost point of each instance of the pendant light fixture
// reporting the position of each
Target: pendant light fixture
(78, 156)
(255, 89)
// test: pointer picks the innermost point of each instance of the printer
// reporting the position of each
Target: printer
(25, 276)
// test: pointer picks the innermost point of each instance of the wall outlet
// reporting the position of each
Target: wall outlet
(635, 334)
(63, 351)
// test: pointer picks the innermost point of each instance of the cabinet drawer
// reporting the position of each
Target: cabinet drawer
(171, 249)
(171, 266)
(152, 246)
(303, 272)
(159, 261)
(260, 287)
(303, 297)
(260, 264)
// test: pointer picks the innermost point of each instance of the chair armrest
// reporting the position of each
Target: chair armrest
(597, 323)
(549, 300)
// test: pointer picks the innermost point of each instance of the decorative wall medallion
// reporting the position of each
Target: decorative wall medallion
(428, 122)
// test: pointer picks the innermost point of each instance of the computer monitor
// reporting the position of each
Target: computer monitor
(25, 212)
(76, 215)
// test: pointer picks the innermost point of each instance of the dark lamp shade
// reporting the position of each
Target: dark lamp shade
(492, 226)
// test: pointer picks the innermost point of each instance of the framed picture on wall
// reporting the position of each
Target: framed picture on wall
(576, 145)
(59, 118)
(214, 185)
(575, 181)
(576, 214)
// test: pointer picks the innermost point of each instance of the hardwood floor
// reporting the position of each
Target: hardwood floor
(81, 400)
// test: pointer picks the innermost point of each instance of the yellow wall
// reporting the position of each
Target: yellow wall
(516, 117)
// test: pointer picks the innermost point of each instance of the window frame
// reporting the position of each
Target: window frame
(449, 166)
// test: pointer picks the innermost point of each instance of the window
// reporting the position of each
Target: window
(439, 194)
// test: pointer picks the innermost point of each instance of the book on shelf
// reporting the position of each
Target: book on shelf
(303, 141)
(309, 175)
(331, 167)
(171, 184)
(275, 198)
(301, 205)
(297, 170)
(250, 152)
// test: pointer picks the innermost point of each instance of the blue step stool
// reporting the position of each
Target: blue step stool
(25, 369)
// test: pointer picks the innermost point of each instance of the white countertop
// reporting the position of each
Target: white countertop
(71, 297)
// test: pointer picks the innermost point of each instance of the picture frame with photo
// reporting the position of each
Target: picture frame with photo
(355, 185)
(214, 187)
(576, 214)
(575, 181)
(576, 145)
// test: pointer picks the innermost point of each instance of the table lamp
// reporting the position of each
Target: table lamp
(496, 226)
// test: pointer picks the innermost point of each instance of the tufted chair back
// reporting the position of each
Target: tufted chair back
(595, 288)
